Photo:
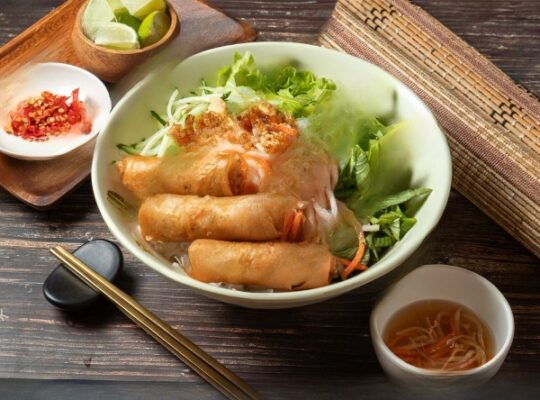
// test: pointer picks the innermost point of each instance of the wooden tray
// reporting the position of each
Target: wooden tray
(41, 184)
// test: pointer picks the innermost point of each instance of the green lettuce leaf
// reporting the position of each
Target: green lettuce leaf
(374, 183)
(295, 92)
(343, 130)
(243, 72)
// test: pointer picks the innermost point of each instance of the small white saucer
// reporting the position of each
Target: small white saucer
(58, 79)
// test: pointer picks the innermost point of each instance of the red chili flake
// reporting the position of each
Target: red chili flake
(46, 115)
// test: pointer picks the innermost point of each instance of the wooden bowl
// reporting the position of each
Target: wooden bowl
(108, 64)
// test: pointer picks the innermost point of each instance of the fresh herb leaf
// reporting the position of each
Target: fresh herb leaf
(353, 174)
(368, 205)
(406, 224)
(384, 241)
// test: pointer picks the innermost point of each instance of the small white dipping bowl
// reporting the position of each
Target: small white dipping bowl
(58, 79)
(458, 285)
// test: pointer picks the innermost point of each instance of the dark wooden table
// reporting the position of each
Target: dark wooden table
(321, 351)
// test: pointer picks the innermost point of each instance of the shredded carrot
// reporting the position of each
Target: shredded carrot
(443, 352)
(297, 221)
(437, 346)
(398, 351)
(355, 262)
(400, 337)
(344, 261)
(347, 271)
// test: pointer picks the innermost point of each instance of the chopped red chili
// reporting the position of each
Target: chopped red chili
(46, 115)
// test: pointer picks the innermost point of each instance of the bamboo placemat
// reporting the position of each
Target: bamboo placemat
(492, 125)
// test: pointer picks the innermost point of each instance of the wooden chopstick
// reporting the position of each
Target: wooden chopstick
(205, 365)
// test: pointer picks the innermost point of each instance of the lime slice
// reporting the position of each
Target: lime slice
(115, 35)
(96, 13)
(154, 27)
(141, 8)
(117, 7)
(129, 20)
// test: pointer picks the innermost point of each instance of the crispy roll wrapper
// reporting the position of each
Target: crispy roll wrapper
(274, 265)
(197, 173)
(258, 217)
(305, 171)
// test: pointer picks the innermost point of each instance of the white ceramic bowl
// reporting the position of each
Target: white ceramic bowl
(444, 282)
(378, 93)
(59, 79)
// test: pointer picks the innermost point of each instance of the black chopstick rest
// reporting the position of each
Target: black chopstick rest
(64, 290)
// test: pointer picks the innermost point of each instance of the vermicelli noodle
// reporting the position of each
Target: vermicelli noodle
(439, 335)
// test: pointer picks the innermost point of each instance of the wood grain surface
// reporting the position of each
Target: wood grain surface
(321, 351)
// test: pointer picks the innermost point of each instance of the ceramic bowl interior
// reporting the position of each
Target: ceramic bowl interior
(458, 285)
(422, 153)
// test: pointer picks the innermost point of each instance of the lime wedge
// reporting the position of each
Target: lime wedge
(117, 7)
(115, 35)
(129, 20)
(96, 13)
(141, 8)
(154, 27)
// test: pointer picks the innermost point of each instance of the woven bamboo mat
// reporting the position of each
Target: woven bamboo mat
(492, 125)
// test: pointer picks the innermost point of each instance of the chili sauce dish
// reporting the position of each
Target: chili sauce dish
(50, 109)
(271, 175)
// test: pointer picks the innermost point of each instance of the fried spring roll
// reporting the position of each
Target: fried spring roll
(258, 217)
(274, 265)
(197, 173)
(305, 171)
